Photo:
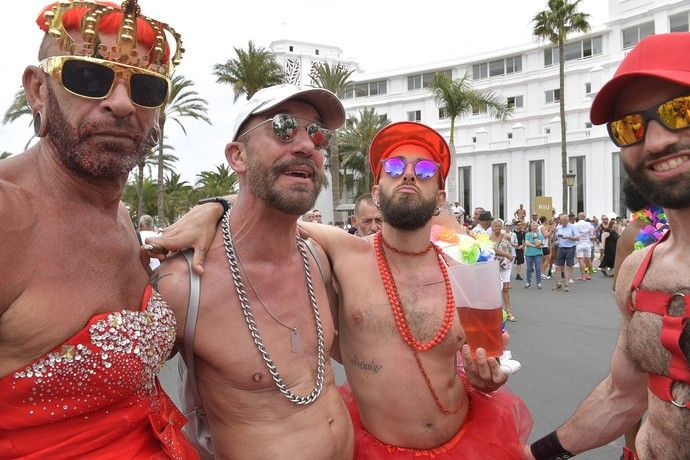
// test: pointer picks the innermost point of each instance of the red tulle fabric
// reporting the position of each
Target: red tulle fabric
(497, 426)
(97, 395)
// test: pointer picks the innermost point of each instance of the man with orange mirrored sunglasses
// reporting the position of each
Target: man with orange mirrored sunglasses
(646, 107)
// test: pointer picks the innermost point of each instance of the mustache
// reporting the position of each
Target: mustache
(121, 126)
(284, 166)
(670, 150)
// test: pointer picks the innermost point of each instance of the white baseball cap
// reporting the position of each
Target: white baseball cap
(325, 102)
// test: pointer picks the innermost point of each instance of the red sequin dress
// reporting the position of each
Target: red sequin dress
(97, 395)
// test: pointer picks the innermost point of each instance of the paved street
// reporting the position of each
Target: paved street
(564, 342)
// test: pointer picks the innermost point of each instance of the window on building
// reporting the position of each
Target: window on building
(465, 187)
(499, 190)
(372, 88)
(536, 181)
(474, 139)
(414, 82)
(347, 92)
(552, 95)
(442, 113)
(478, 110)
(619, 177)
(377, 88)
(576, 200)
(547, 130)
(514, 102)
(588, 125)
(510, 135)
(414, 115)
(632, 35)
(317, 52)
(497, 67)
(423, 80)
(588, 88)
(578, 49)
(678, 22)
(480, 71)
(292, 48)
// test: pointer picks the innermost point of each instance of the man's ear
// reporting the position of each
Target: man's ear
(236, 154)
(441, 198)
(35, 89)
(375, 194)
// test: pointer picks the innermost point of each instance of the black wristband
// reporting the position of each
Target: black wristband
(217, 199)
(549, 448)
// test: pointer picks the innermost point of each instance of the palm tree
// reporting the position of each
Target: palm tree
(355, 139)
(19, 108)
(333, 78)
(252, 70)
(554, 25)
(4, 155)
(459, 98)
(150, 160)
(178, 196)
(184, 102)
(216, 183)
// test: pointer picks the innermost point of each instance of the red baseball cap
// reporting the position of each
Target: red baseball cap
(663, 56)
(409, 133)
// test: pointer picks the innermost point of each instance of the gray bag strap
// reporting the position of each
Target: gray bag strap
(190, 325)
(317, 259)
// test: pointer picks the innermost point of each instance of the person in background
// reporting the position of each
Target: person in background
(367, 219)
(534, 243)
(504, 256)
(146, 230)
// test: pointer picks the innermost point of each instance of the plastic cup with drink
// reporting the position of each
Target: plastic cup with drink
(477, 291)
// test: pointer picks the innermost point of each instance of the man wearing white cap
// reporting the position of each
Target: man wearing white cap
(258, 343)
(646, 107)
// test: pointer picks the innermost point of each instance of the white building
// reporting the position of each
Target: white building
(499, 165)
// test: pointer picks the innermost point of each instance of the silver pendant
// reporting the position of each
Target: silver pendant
(294, 341)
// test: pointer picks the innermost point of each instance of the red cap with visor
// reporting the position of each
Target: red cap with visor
(409, 133)
(663, 56)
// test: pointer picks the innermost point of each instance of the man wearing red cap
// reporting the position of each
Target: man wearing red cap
(398, 328)
(646, 107)
(79, 346)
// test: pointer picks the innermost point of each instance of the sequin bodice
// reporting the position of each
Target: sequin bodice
(104, 375)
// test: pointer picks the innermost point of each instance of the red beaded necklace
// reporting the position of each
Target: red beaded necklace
(396, 304)
(406, 253)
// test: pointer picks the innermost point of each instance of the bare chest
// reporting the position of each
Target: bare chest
(240, 342)
(367, 308)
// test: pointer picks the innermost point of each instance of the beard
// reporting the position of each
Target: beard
(672, 193)
(262, 181)
(409, 212)
(82, 151)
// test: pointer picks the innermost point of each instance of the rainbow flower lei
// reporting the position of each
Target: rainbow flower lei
(657, 225)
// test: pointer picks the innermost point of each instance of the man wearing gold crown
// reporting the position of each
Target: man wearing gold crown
(79, 346)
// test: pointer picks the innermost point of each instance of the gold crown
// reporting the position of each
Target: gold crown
(124, 51)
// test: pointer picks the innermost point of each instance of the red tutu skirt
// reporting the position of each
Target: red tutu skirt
(497, 427)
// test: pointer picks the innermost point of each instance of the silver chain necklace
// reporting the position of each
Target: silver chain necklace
(254, 329)
(295, 341)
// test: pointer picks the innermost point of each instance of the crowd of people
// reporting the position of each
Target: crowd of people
(259, 306)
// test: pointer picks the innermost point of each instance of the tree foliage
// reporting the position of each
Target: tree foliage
(555, 24)
(334, 78)
(354, 141)
(250, 71)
